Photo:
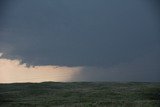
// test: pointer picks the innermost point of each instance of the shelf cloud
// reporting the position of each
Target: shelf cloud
(77, 40)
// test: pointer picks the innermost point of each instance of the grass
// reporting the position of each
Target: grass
(80, 94)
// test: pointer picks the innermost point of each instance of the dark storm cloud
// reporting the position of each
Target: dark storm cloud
(79, 32)
(141, 69)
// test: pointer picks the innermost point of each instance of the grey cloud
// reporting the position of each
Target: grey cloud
(79, 33)
(144, 69)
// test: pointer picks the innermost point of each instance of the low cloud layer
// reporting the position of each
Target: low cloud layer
(14, 71)
(142, 69)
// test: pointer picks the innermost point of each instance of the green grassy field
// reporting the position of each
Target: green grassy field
(80, 94)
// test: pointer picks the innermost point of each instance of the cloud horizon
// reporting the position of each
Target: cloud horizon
(144, 69)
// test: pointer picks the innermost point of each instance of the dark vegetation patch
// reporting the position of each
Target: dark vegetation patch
(80, 94)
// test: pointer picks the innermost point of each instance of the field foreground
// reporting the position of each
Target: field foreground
(80, 94)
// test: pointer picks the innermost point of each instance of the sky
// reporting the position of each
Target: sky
(79, 40)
